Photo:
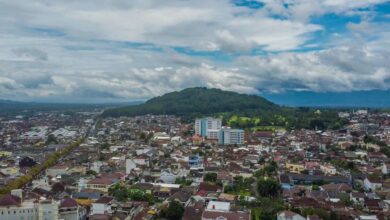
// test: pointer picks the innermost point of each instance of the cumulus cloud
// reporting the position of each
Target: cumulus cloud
(129, 49)
(188, 24)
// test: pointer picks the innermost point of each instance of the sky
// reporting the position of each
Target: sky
(92, 50)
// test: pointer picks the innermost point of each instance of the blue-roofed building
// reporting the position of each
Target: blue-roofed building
(194, 161)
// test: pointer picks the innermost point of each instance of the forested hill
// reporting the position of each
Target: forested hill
(196, 101)
(236, 110)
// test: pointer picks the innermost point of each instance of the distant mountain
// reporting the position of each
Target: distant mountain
(12, 108)
(354, 99)
(197, 100)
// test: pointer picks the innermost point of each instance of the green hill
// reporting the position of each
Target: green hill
(196, 101)
(237, 110)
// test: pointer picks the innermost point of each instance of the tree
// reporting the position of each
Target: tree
(91, 172)
(210, 177)
(51, 139)
(174, 211)
(268, 187)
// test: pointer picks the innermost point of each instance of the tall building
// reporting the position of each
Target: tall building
(208, 127)
(230, 136)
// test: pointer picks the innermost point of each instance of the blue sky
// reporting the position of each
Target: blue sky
(133, 50)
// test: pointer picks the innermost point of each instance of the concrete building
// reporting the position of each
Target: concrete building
(207, 127)
(69, 209)
(288, 215)
(13, 207)
(231, 136)
(48, 210)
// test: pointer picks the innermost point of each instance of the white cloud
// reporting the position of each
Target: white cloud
(193, 24)
(84, 49)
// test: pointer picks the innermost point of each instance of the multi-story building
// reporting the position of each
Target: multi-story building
(230, 136)
(208, 127)
(13, 207)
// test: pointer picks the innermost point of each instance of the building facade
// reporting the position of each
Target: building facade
(207, 127)
(231, 136)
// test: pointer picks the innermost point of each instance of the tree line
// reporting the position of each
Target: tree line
(36, 170)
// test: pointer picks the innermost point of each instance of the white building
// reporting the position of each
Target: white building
(48, 210)
(386, 168)
(206, 127)
(130, 166)
(102, 206)
(69, 210)
(231, 136)
(372, 184)
(288, 215)
(12, 207)
(167, 177)
(218, 206)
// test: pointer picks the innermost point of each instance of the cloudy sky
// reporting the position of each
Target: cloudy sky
(93, 50)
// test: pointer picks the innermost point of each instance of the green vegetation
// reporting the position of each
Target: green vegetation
(51, 139)
(268, 170)
(183, 181)
(210, 177)
(174, 211)
(266, 208)
(268, 187)
(345, 165)
(241, 186)
(91, 172)
(124, 193)
(195, 101)
(36, 170)
(237, 110)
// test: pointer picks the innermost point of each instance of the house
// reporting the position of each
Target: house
(102, 206)
(167, 177)
(295, 168)
(27, 162)
(368, 217)
(101, 184)
(336, 187)
(68, 209)
(218, 206)
(376, 157)
(142, 160)
(386, 168)
(289, 215)
(130, 166)
(357, 197)
(372, 184)
(286, 181)
(181, 196)
(194, 211)
(218, 215)
(13, 206)
(206, 188)
(328, 169)
(57, 170)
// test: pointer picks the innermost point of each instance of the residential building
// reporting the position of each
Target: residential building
(231, 136)
(289, 215)
(207, 127)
